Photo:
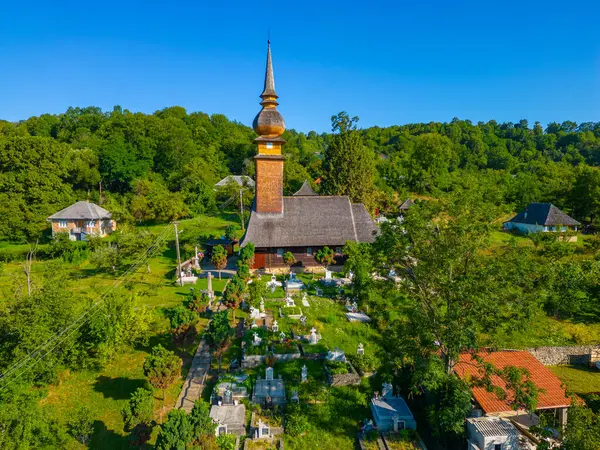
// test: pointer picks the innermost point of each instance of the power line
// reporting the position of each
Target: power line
(77, 323)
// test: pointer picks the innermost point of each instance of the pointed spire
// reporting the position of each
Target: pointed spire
(269, 90)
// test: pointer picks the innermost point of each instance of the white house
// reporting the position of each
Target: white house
(541, 217)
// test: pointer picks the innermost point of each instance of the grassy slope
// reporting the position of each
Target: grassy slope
(580, 380)
(107, 390)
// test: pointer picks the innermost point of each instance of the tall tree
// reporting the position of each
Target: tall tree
(139, 409)
(219, 258)
(349, 164)
(162, 367)
(176, 433)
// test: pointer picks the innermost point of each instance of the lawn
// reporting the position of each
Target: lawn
(543, 330)
(334, 421)
(107, 390)
(580, 380)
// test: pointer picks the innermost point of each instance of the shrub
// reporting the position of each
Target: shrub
(337, 367)
(139, 409)
(296, 422)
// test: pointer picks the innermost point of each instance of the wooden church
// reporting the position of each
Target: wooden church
(304, 222)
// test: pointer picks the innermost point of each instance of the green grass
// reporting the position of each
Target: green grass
(334, 422)
(107, 390)
(543, 330)
(579, 380)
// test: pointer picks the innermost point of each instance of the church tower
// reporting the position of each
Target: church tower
(269, 125)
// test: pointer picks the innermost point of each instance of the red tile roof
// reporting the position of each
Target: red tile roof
(553, 395)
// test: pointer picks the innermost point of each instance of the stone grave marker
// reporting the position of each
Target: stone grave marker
(269, 373)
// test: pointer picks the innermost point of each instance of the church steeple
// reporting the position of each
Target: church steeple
(269, 125)
(269, 90)
(269, 122)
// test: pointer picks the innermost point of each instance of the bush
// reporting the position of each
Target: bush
(337, 367)
(364, 363)
(296, 422)
(139, 409)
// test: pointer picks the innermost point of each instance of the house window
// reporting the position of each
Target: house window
(309, 251)
(91, 223)
(269, 145)
(498, 447)
(62, 224)
(338, 250)
(280, 253)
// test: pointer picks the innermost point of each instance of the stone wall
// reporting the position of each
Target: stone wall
(286, 356)
(571, 355)
(250, 361)
(343, 379)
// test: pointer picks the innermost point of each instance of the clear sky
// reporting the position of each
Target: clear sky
(389, 63)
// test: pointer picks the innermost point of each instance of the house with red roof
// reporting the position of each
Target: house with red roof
(552, 395)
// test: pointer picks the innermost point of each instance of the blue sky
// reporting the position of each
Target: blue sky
(387, 62)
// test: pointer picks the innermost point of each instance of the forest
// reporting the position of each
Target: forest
(477, 286)
(163, 166)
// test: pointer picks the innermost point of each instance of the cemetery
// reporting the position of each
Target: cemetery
(309, 361)
(301, 357)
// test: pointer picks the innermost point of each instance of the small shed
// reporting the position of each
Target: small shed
(227, 244)
(406, 205)
(240, 180)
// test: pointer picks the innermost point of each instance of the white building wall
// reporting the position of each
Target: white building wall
(489, 442)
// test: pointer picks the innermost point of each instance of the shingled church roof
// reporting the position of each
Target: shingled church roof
(305, 190)
(82, 211)
(543, 214)
(312, 221)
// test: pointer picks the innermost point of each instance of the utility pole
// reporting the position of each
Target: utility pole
(178, 254)
(242, 209)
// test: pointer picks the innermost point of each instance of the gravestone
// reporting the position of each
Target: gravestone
(269, 374)
(336, 355)
(305, 301)
(387, 390)
(289, 301)
(211, 294)
(360, 350)
(304, 373)
(319, 292)
(303, 320)
(273, 288)
(327, 276)
(295, 396)
(227, 397)
(262, 305)
(254, 313)
(313, 339)
(275, 326)
(282, 336)
(257, 340)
